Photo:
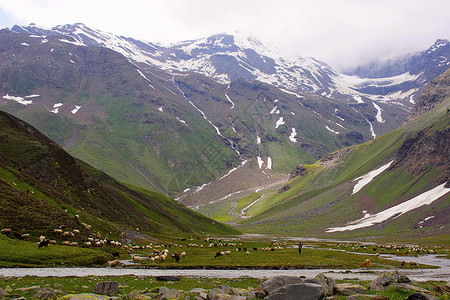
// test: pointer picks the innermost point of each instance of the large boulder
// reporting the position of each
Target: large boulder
(347, 289)
(106, 288)
(167, 278)
(45, 293)
(304, 291)
(274, 283)
(420, 296)
(327, 282)
(84, 297)
(384, 281)
(166, 293)
(3, 293)
(447, 287)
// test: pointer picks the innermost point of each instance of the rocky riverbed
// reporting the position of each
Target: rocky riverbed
(390, 285)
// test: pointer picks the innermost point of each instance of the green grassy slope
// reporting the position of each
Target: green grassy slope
(323, 198)
(40, 181)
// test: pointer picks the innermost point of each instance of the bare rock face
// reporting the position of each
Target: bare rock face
(428, 148)
(435, 92)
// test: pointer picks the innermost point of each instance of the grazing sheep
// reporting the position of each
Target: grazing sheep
(247, 252)
(413, 264)
(58, 231)
(43, 243)
(176, 256)
(136, 259)
(6, 231)
(66, 243)
(114, 263)
(53, 242)
(365, 264)
(183, 254)
(220, 253)
(228, 252)
(25, 237)
(73, 244)
(87, 244)
(76, 231)
(65, 234)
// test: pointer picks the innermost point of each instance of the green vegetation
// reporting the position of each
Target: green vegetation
(17, 253)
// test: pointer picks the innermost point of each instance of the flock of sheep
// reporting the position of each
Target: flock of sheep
(159, 253)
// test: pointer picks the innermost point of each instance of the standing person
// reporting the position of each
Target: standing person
(299, 247)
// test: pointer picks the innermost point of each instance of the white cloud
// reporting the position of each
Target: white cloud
(340, 32)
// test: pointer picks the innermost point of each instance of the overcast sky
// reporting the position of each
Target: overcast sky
(342, 33)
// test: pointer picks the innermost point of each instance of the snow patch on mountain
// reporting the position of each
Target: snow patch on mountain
(293, 135)
(269, 163)
(396, 211)
(378, 116)
(367, 178)
(17, 99)
(279, 122)
(76, 109)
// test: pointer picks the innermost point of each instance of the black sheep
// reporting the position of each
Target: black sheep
(44, 243)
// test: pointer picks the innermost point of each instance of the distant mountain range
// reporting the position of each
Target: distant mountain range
(176, 118)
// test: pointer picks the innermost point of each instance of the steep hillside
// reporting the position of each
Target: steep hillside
(43, 187)
(395, 185)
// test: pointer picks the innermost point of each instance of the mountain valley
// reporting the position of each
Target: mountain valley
(220, 123)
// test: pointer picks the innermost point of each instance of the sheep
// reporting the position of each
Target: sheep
(43, 243)
(76, 231)
(183, 254)
(220, 253)
(87, 244)
(65, 234)
(53, 242)
(73, 244)
(58, 231)
(176, 256)
(365, 264)
(114, 263)
(413, 264)
(247, 252)
(6, 231)
(136, 259)
(25, 237)
(66, 243)
(228, 252)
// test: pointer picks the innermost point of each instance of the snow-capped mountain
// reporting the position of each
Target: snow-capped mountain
(271, 114)
(227, 57)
